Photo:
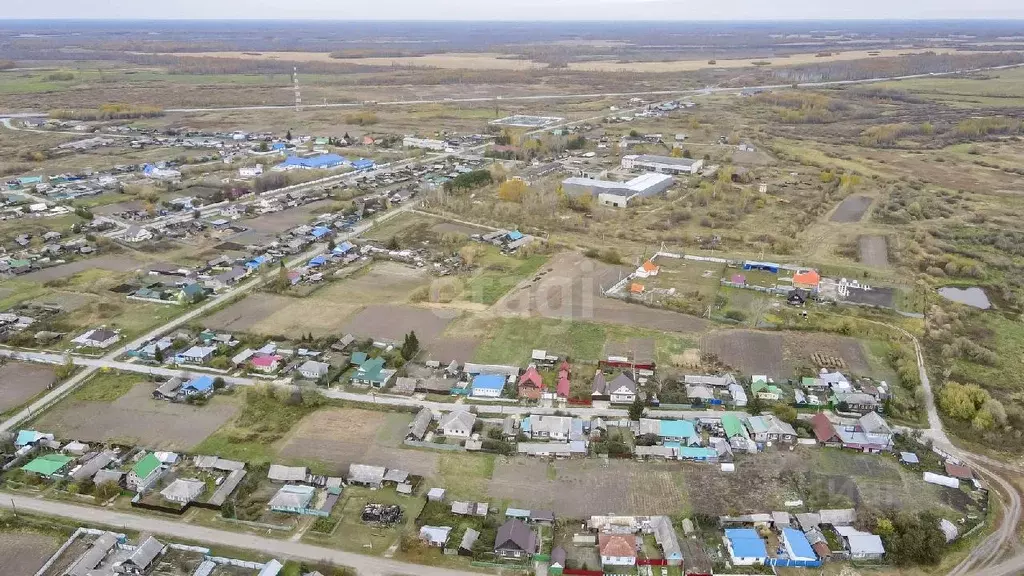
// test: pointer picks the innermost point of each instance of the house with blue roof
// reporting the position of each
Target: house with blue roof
(30, 437)
(363, 164)
(278, 146)
(198, 385)
(697, 453)
(487, 386)
(681, 432)
(320, 232)
(321, 162)
(256, 263)
(745, 546)
(342, 249)
(797, 546)
(514, 235)
(318, 261)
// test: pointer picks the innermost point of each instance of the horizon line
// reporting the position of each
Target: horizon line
(501, 21)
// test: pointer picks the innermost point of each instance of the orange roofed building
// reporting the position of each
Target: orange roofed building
(808, 280)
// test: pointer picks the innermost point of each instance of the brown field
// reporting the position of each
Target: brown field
(748, 352)
(585, 487)
(112, 262)
(20, 382)
(330, 309)
(68, 301)
(242, 316)
(137, 418)
(25, 552)
(447, 348)
(852, 209)
(278, 222)
(452, 227)
(571, 287)
(391, 322)
(874, 251)
(495, 61)
(340, 437)
(778, 354)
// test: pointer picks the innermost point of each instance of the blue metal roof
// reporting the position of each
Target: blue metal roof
(697, 453)
(363, 164)
(676, 429)
(278, 146)
(26, 437)
(517, 513)
(322, 161)
(798, 544)
(320, 231)
(200, 384)
(489, 382)
(318, 261)
(746, 543)
(343, 248)
(515, 235)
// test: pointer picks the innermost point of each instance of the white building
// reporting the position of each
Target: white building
(662, 164)
(136, 234)
(458, 423)
(98, 338)
(618, 194)
(426, 143)
(250, 171)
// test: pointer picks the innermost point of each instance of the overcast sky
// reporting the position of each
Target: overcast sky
(514, 9)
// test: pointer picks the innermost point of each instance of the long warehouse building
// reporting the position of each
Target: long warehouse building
(618, 194)
(662, 164)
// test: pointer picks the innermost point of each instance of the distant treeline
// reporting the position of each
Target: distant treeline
(925, 63)
(7, 65)
(113, 111)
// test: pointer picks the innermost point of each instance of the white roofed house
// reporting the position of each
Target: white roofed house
(313, 370)
(364, 475)
(458, 423)
(98, 338)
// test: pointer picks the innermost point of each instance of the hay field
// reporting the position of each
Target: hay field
(453, 61)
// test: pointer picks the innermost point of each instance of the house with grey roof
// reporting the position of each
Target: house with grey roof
(142, 557)
(364, 475)
(515, 539)
(418, 426)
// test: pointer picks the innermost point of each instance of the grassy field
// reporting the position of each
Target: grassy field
(105, 386)
(498, 274)
(466, 475)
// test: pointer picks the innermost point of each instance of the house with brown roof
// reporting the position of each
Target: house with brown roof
(617, 549)
(959, 471)
(599, 388)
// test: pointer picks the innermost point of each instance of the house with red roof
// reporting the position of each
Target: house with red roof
(266, 363)
(562, 389)
(531, 385)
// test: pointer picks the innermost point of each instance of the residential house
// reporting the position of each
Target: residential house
(183, 491)
(142, 558)
(144, 472)
(313, 370)
(768, 428)
(622, 389)
(861, 545)
(436, 536)
(665, 536)
(487, 386)
(136, 234)
(671, 431)
(563, 388)
(98, 338)
(49, 465)
(857, 402)
(202, 385)
(724, 381)
(418, 426)
(870, 433)
(557, 561)
(736, 433)
(196, 355)
(191, 293)
(796, 545)
(617, 549)
(763, 389)
(515, 540)
(547, 427)
(698, 394)
(531, 385)
(457, 423)
(292, 498)
(364, 475)
(372, 373)
(745, 547)
(599, 388)
(86, 563)
(738, 395)
(266, 363)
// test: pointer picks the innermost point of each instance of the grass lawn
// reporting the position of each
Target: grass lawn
(510, 340)
(499, 274)
(465, 476)
(354, 535)
(106, 386)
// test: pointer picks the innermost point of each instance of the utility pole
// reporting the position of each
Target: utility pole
(295, 82)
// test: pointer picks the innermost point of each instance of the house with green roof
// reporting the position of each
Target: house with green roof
(191, 293)
(372, 373)
(358, 358)
(145, 472)
(736, 433)
(48, 465)
(764, 390)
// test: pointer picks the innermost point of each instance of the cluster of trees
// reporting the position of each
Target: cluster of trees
(469, 181)
(978, 127)
(885, 135)
(970, 403)
(795, 107)
(365, 118)
(59, 77)
(924, 63)
(112, 111)
(910, 539)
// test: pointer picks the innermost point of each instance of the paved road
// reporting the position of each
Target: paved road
(282, 549)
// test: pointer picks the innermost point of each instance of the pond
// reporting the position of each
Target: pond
(972, 296)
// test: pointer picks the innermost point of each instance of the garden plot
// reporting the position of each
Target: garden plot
(25, 552)
(111, 262)
(748, 352)
(799, 348)
(874, 251)
(580, 488)
(136, 418)
(572, 287)
(20, 382)
(852, 209)
(244, 315)
(277, 222)
(340, 437)
(393, 322)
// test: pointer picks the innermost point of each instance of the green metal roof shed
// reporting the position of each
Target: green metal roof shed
(47, 464)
